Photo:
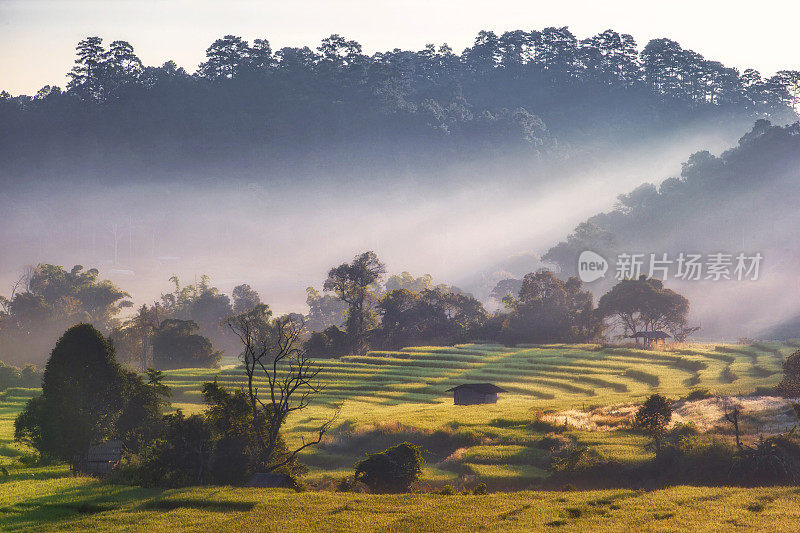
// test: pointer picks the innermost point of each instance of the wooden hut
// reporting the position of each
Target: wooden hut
(101, 458)
(651, 337)
(475, 393)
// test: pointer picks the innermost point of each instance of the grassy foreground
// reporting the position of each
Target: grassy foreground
(76, 503)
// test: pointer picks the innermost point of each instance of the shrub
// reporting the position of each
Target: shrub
(177, 345)
(480, 489)
(652, 418)
(141, 419)
(728, 375)
(181, 457)
(219, 446)
(345, 484)
(774, 461)
(688, 458)
(681, 430)
(447, 490)
(393, 470)
(349, 484)
(554, 442)
(539, 425)
(332, 342)
(577, 460)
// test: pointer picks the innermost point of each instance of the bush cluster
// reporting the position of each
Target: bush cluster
(393, 470)
(218, 446)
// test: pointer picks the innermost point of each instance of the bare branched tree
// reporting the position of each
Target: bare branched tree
(732, 414)
(681, 332)
(272, 354)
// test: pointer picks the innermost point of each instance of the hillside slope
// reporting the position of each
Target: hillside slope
(742, 201)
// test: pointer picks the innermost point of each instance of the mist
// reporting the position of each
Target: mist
(743, 201)
(759, 221)
(282, 235)
(269, 166)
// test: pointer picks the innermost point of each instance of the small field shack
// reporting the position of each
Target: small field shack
(101, 458)
(475, 393)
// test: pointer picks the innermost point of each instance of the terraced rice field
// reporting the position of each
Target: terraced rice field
(406, 389)
(401, 395)
(546, 376)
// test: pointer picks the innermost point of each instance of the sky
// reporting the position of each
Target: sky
(37, 37)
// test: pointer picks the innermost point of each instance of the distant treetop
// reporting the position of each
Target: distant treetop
(519, 92)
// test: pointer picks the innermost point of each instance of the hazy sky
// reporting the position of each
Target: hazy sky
(37, 37)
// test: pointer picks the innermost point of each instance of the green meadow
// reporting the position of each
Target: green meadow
(387, 397)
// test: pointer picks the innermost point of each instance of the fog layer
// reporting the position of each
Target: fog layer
(460, 226)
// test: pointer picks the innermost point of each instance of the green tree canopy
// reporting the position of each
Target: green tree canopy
(245, 299)
(324, 310)
(549, 309)
(48, 300)
(429, 316)
(355, 283)
(643, 304)
(83, 393)
(177, 345)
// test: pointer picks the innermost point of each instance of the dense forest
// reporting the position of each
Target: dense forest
(249, 109)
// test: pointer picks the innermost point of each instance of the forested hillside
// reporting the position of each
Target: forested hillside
(739, 201)
(251, 110)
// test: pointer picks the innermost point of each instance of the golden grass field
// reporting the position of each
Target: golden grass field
(84, 504)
